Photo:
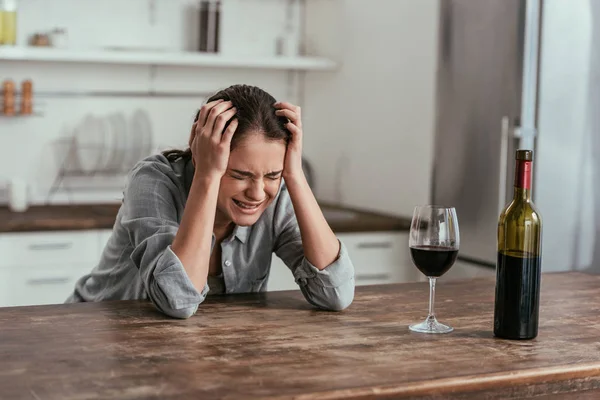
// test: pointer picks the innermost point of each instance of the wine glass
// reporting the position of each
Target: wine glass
(433, 242)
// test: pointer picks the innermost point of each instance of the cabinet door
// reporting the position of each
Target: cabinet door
(33, 286)
(46, 248)
(380, 257)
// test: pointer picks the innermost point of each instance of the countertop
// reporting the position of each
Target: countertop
(102, 216)
(275, 345)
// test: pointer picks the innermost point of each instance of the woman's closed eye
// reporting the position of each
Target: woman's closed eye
(273, 177)
(241, 175)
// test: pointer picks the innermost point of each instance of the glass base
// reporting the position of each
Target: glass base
(431, 325)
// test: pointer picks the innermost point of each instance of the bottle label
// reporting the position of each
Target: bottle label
(523, 175)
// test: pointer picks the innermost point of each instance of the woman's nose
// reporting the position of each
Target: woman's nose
(256, 191)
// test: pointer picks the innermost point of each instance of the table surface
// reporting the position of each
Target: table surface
(275, 345)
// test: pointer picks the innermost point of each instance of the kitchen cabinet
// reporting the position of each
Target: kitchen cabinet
(42, 267)
(378, 258)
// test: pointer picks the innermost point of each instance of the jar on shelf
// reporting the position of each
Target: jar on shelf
(59, 38)
(26, 97)
(8, 23)
(8, 97)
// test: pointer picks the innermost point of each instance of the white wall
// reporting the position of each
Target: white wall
(370, 126)
(32, 147)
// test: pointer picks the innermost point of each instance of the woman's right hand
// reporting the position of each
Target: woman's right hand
(208, 142)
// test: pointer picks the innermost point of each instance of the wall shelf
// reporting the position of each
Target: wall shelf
(166, 58)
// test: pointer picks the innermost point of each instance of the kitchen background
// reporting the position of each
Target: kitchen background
(364, 73)
(363, 94)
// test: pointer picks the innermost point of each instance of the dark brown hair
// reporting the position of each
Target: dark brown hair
(255, 112)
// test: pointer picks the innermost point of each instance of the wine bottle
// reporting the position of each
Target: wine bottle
(518, 271)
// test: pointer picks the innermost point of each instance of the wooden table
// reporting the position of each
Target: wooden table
(275, 345)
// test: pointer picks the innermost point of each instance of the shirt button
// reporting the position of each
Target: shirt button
(227, 263)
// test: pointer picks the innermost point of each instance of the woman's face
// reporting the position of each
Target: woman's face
(252, 179)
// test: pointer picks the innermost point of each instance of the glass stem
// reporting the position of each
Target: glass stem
(431, 297)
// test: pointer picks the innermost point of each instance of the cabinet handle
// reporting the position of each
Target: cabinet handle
(47, 281)
(374, 245)
(372, 277)
(50, 246)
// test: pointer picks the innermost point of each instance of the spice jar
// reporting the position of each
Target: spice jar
(8, 96)
(26, 97)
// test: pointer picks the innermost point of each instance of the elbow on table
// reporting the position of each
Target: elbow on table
(333, 299)
(172, 306)
(341, 302)
(179, 313)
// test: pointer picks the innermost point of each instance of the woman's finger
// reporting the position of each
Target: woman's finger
(213, 114)
(205, 110)
(289, 106)
(220, 123)
(294, 130)
(228, 134)
(291, 115)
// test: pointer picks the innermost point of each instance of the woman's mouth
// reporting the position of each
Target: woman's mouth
(247, 208)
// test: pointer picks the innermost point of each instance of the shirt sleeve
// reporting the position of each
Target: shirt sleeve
(331, 288)
(150, 218)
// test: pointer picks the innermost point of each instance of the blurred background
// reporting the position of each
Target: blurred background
(405, 102)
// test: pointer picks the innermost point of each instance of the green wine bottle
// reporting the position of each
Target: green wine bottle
(518, 272)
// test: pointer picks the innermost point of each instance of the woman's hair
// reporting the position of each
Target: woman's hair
(255, 113)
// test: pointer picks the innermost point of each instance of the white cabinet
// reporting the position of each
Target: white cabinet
(42, 267)
(378, 257)
(47, 248)
(25, 285)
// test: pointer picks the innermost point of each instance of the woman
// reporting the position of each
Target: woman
(208, 219)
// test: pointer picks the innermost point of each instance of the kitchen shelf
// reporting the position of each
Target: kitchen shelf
(183, 59)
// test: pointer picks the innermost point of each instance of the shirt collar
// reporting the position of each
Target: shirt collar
(241, 233)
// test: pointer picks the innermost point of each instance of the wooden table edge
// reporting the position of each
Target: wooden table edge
(460, 384)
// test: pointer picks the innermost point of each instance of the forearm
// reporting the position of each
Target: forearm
(320, 244)
(192, 244)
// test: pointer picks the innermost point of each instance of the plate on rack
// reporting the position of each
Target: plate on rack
(145, 126)
(140, 137)
(107, 150)
(119, 148)
(90, 139)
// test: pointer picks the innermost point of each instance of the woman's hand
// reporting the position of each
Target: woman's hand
(293, 159)
(208, 142)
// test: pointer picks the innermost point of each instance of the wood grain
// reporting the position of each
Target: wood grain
(274, 345)
(102, 216)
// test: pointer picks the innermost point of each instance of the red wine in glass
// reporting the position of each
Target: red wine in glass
(433, 261)
(434, 241)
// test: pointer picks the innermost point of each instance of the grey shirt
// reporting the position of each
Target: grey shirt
(138, 262)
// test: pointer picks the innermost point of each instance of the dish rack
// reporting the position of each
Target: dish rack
(97, 150)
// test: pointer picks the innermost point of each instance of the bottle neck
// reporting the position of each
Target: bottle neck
(523, 180)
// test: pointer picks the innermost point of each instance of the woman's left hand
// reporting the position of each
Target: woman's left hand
(293, 158)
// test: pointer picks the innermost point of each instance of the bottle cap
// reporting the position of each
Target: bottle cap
(524, 155)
